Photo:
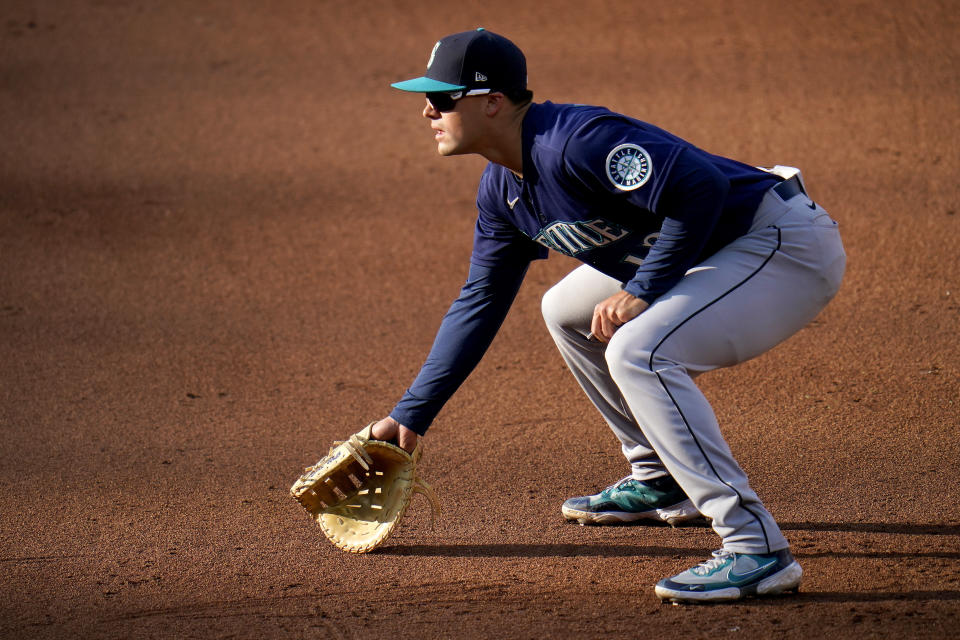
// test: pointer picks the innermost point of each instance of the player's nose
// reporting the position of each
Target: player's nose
(430, 112)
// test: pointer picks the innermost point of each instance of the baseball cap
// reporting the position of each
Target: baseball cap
(471, 60)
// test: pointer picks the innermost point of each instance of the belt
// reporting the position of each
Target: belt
(789, 188)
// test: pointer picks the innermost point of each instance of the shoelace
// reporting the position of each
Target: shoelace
(719, 557)
(616, 485)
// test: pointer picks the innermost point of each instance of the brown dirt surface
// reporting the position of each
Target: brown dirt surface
(225, 243)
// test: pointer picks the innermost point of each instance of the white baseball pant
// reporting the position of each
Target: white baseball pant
(739, 303)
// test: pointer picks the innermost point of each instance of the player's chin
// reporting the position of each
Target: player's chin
(448, 147)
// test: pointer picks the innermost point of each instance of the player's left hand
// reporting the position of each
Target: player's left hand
(392, 431)
(617, 310)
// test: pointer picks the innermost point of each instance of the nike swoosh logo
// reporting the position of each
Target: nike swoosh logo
(812, 205)
(510, 203)
(749, 575)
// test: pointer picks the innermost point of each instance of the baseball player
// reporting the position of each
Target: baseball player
(691, 262)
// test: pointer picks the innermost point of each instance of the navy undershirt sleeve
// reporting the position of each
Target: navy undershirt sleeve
(691, 205)
(466, 332)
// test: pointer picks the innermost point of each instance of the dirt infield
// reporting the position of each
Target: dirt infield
(225, 242)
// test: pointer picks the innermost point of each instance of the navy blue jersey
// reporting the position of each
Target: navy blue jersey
(628, 198)
(598, 186)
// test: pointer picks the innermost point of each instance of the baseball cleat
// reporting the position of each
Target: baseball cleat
(630, 500)
(731, 576)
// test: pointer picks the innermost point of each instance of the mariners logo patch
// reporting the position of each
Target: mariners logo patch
(629, 167)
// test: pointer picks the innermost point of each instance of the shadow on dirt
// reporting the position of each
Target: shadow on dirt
(810, 597)
(900, 528)
(534, 550)
(601, 550)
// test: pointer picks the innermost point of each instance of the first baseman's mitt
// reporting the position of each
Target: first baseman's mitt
(361, 489)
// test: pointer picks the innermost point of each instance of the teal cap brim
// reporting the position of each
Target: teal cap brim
(426, 85)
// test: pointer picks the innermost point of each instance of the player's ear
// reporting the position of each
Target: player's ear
(494, 103)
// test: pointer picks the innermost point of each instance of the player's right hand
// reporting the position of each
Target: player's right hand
(612, 313)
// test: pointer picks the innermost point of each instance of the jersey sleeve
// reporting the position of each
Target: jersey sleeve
(627, 159)
(465, 333)
(691, 204)
(659, 173)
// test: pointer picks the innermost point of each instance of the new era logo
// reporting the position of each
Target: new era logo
(479, 77)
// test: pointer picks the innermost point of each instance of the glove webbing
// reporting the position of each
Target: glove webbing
(355, 447)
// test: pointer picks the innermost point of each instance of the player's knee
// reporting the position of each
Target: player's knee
(553, 309)
(626, 359)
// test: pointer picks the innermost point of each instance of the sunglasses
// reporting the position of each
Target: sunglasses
(443, 102)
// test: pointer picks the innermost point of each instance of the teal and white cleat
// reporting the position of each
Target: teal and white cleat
(731, 576)
(630, 500)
